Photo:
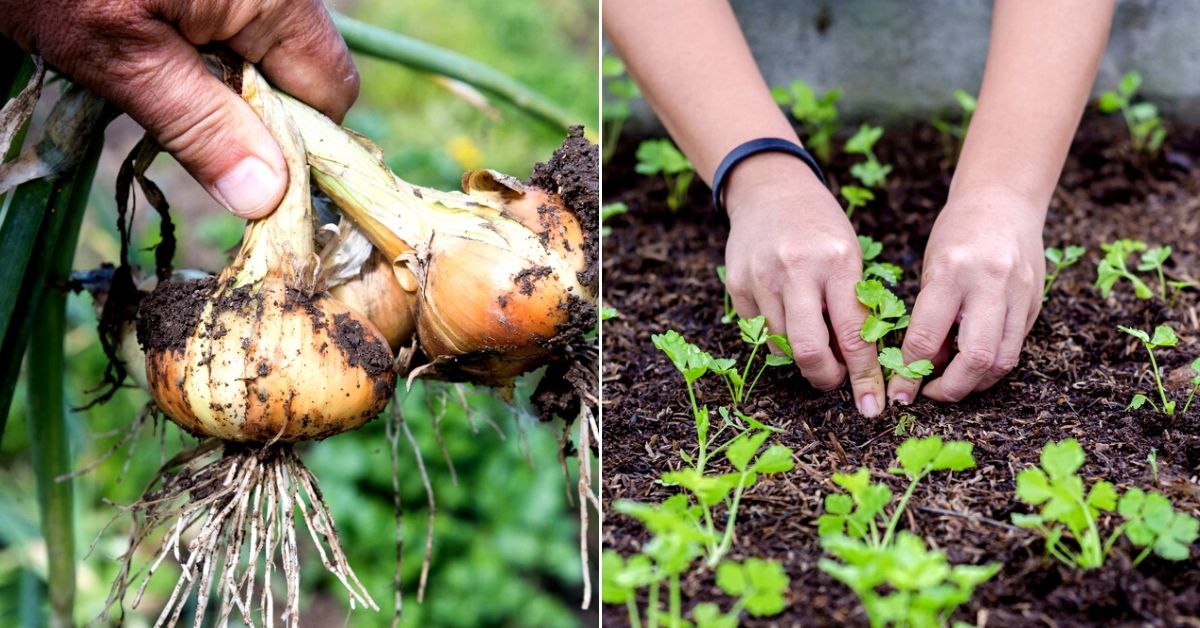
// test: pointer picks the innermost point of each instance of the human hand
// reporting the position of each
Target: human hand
(793, 257)
(141, 56)
(984, 269)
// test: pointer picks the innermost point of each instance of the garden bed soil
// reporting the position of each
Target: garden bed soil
(1076, 375)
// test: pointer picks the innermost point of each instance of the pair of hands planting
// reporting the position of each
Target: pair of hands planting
(792, 254)
(141, 56)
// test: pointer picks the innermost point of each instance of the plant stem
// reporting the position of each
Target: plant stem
(1162, 282)
(727, 539)
(1158, 381)
(1186, 405)
(385, 44)
(891, 529)
(676, 604)
(631, 608)
(652, 606)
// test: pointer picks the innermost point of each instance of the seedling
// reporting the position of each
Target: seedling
(727, 488)
(623, 92)
(817, 114)
(923, 589)
(662, 158)
(1060, 258)
(953, 134)
(608, 313)
(1146, 130)
(1057, 488)
(888, 314)
(904, 425)
(1114, 267)
(1152, 523)
(1163, 336)
(754, 333)
(608, 211)
(1153, 259)
(885, 272)
(729, 314)
(856, 197)
(1152, 458)
(858, 513)
(870, 172)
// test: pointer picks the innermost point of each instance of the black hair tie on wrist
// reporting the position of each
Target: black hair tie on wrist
(754, 147)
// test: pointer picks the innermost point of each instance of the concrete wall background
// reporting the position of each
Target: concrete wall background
(896, 60)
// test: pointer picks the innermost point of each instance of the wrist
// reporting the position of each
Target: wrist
(997, 200)
(769, 175)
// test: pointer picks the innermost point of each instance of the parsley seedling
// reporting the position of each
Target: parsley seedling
(1146, 130)
(1114, 268)
(1163, 336)
(953, 134)
(1057, 488)
(622, 91)
(1060, 258)
(885, 272)
(1152, 523)
(608, 211)
(870, 172)
(662, 158)
(856, 197)
(923, 588)
(608, 313)
(817, 114)
(888, 314)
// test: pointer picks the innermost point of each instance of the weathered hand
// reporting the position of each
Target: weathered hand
(141, 56)
(984, 268)
(793, 257)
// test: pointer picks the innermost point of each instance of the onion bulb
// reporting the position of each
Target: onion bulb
(259, 353)
(500, 269)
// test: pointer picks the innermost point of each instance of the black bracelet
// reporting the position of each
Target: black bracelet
(754, 147)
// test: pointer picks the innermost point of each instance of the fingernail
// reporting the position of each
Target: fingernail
(248, 188)
(868, 406)
(902, 398)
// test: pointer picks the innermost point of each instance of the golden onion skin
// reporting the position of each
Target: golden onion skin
(377, 294)
(489, 313)
(262, 363)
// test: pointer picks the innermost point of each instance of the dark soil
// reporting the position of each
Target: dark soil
(167, 317)
(360, 348)
(1075, 378)
(574, 171)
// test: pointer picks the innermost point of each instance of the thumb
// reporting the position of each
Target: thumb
(209, 129)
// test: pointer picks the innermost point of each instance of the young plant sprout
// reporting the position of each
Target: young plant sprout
(1114, 267)
(608, 313)
(870, 172)
(757, 586)
(953, 134)
(661, 157)
(1058, 490)
(1163, 336)
(1153, 524)
(623, 92)
(924, 588)
(754, 333)
(888, 314)
(608, 211)
(856, 197)
(1152, 457)
(1060, 258)
(885, 272)
(1146, 130)
(817, 114)
(728, 313)
(1153, 259)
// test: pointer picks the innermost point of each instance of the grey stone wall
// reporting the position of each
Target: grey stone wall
(901, 59)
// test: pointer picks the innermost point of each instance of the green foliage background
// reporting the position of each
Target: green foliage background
(506, 544)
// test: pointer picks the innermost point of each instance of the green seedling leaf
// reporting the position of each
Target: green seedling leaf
(956, 455)
(742, 449)
(858, 196)
(622, 579)
(1164, 336)
(888, 273)
(760, 584)
(965, 100)
(1136, 333)
(660, 157)
(873, 329)
(1154, 258)
(776, 459)
(1062, 459)
(754, 330)
(778, 360)
(709, 615)
(1110, 102)
(1152, 522)
(915, 454)
(893, 360)
(1137, 402)
(1130, 83)
(708, 489)
(870, 247)
(863, 141)
(608, 313)
(688, 359)
(871, 173)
